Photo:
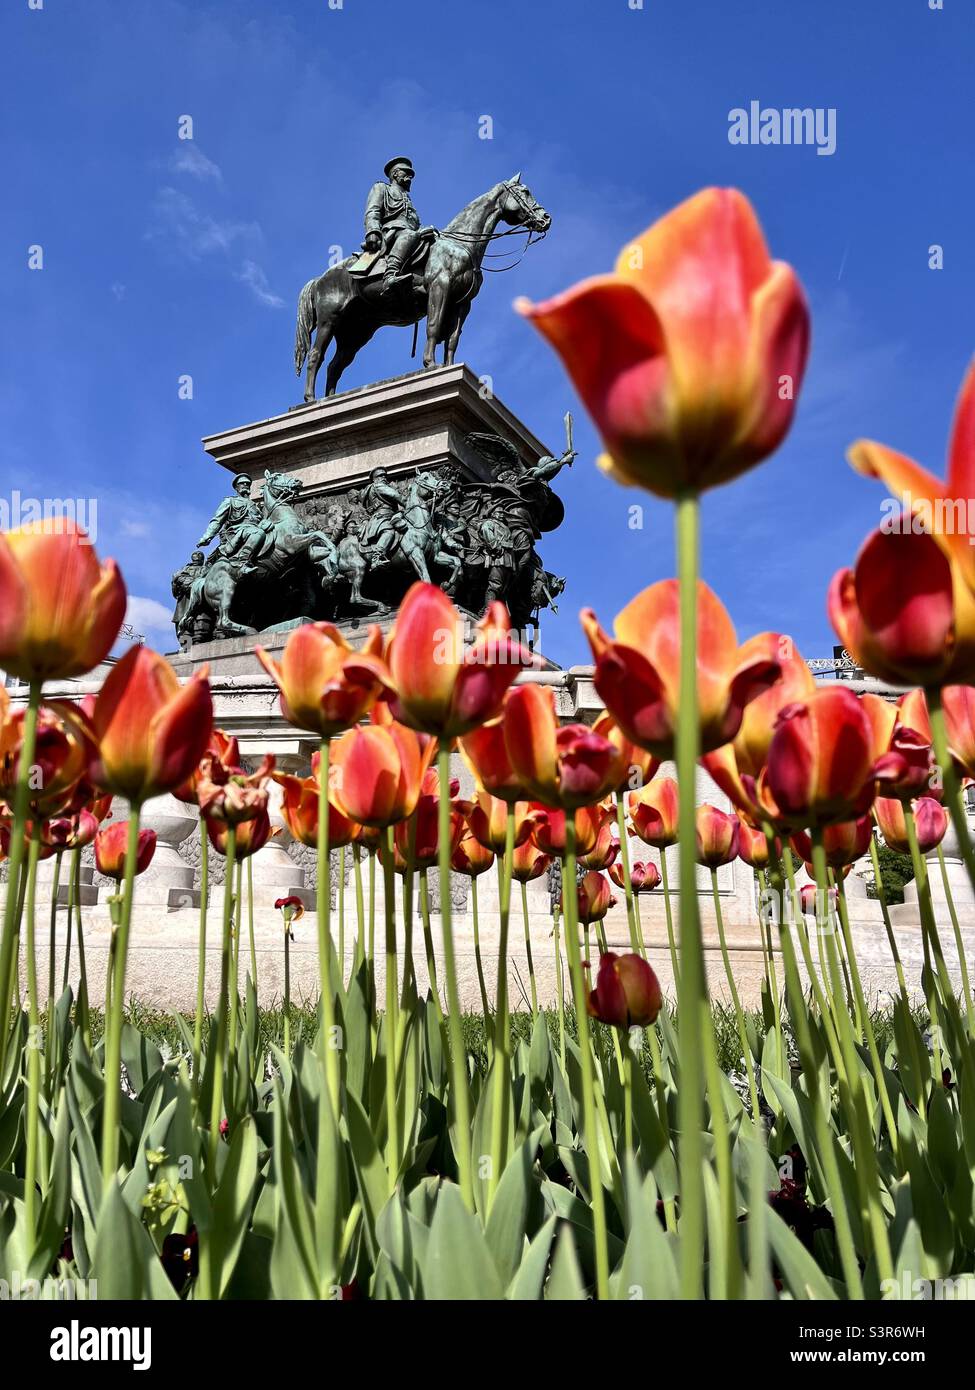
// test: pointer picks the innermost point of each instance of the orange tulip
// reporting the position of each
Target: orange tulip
(327, 686)
(820, 765)
(470, 857)
(607, 846)
(753, 846)
(930, 498)
(378, 772)
(529, 862)
(111, 843)
(653, 812)
(486, 754)
(627, 992)
(634, 765)
(690, 355)
(594, 897)
(930, 820)
(717, 837)
(561, 767)
(151, 732)
(747, 753)
(60, 610)
(904, 756)
(62, 751)
(251, 835)
(487, 817)
(843, 842)
(958, 703)
(638, 671)
(905, 611)
(221, 759)
(299, 811)
(441, 687)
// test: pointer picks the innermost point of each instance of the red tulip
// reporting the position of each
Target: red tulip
(110, 847)
(291, 908)
(627, 992)
(486, 754)
(809, 898)
(643, 877)
(607, 846)
(561, 767)
(932, 499)
(905, 612)
(638, 671)
(548, 829)
(151, 731)
(62, 751)
(820, 764)
(238, 797)
(844, 842)
(70, 832)
(904, 756)
(424, 827)
(653, 812)
(441, 687)
(690, 355)
(958, 703)
(60, 610)
(251, 835)
(327, 686)
(594, 897)
(930, 820)
(717, 837)
(378, 772)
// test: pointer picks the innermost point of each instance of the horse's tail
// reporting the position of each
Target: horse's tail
(304, 326)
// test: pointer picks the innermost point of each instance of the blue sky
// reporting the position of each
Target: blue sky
(164, 258)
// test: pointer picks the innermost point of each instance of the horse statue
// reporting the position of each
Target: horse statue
(287, 538)
(420, 541)
(350, 308)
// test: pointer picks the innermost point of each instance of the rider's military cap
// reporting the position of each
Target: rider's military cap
(400, 159)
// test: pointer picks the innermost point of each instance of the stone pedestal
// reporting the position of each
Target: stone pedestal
(168, 881)
(962, 894)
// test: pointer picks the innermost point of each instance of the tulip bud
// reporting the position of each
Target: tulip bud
(627, 992)
(111, 843)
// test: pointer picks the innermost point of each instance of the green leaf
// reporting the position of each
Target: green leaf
(458, 1264)
(565, 1282)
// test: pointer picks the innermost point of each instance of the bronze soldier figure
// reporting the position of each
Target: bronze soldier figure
(241, 525)
(392, 222)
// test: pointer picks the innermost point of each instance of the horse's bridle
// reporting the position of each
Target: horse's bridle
(470, 238)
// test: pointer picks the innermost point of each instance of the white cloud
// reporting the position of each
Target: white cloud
(147, 614)
(252, 275)
(190, 159)
(134, 528)
(181, 225)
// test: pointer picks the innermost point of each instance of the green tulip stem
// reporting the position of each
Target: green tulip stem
(959, 945)
(481, 983)
(113, 1020)
(693, 1011)
(250, 920)
(746, 1054)
(636, 937)
(323, 913)
(502, 1026)
(218, 1060)
(8, 964)
(201, 962)
(559, 981)
(458, 1051)
(391, 1020)
(35, 1046)
(590, 1135)
(671, 938)
(528, 950)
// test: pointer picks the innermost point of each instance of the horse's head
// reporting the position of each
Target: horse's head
(280, 487)
(520, 208)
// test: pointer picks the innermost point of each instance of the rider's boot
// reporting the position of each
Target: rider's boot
(394, 275)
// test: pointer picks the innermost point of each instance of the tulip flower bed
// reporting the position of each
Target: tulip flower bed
(388, 1149)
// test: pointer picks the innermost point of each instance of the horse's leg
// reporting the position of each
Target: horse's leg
(437, 294)
(453, 338)
(316, 355)
(348, 341)
(418, 560)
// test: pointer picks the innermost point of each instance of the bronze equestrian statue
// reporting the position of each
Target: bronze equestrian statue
(425, 273)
